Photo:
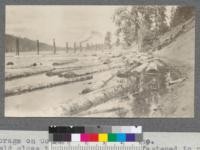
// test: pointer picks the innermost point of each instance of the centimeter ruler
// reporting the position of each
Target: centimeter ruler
(95, 146)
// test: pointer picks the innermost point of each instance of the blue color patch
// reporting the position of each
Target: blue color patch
(121, 137)
(130, 137)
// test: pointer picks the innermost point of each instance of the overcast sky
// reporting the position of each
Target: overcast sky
(64, 23)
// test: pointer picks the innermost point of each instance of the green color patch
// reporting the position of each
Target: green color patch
(112, 137)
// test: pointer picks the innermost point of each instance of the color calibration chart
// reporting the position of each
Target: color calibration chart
(95, 137)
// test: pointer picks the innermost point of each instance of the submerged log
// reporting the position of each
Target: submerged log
(95, 98)
(30, 88)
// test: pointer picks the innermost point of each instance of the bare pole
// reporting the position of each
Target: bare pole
(88, 46)
(80, 46)
(54, 46)
(38, 47)
(67, 47)
(92, 46)
(96, 47)
(17, 46)
(74, 46)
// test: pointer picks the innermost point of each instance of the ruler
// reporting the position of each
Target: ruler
(94, 146)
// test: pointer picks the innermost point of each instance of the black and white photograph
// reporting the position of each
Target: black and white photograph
(102, 61)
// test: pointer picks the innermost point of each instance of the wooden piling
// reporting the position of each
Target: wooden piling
(74, 46)
(17, 46)
(87, 46)
(38, 47)
(54, 46)
(91, 46)
(67, 47)
(96, 46)
(80, 45)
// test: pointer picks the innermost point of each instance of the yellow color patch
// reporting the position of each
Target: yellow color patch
(103, 137)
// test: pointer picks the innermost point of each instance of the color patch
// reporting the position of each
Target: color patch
(112, 137)
(76, 138)
(116, 129)
(138, 137)
(130, 137)
(94, 138)
(121, 137)
(67, 137)
(126, 129)
(58, 137)
(85, 137)
(77, 130)
(103, 137)
(137, 129)
(50, 137)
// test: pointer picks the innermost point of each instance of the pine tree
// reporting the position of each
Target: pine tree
(140, 23)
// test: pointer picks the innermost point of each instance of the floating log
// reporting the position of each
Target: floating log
(25, 89)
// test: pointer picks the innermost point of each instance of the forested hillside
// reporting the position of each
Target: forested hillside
(25, 44)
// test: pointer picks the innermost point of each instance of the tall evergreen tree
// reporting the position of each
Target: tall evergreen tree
(136, 23)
